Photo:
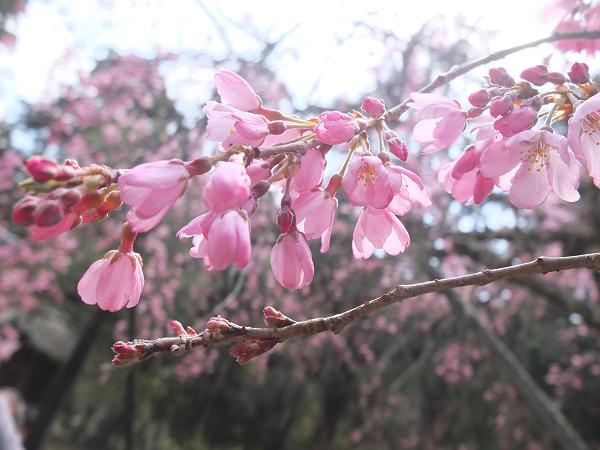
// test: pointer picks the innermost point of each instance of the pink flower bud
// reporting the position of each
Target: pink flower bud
(127, 353)
(66, 173)
(275, 319)
(374, 107)
(480, 99)
(556, 78)
(260, 189)
(48, 213)
(501, 106)
(177, 327)
(335, 127)
(70, 197)
(42, 169)
(579, 73)
(198, 166)
(536, 102)
(396, 145)
(525, 90)
(516, 121)
(23, 210)
(500, 77)
(229, 187)
(247, 351)
(277, 127)
(218, 326)
(537, 75)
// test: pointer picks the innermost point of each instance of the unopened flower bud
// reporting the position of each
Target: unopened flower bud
(277, 127)
(48, 213)
(198, 166)
(526, 90)
(556, 78)
(177, 327)
(396, 145)
(91, 200)
(537, 75)
(218, 326)
(286, 219)
(276, 319)
(260, 189)
(474, 112)
(374, 107)
(127, 353)
(536, 102)
(246, 351)
(23, 210)
(500, 77)
(479, 99)
(500, 106)
(70, 198)
(579, 73)
(66, 173)
(41, 169)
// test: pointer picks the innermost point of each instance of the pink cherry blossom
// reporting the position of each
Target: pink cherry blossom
(374, 107)
(442, 121)
(291, 261)
(113, 282)
(584, 136)
(335, 127)
(367, 182)
(236, 92)
(151, 189)
(409, 189)
(378, 229)
(543, 163)
(463, 178)
(230, 126)
(228, 188)
(516, 121)
(315, 211)
(310, 173)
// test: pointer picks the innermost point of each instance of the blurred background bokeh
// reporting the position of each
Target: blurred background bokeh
(124, 82)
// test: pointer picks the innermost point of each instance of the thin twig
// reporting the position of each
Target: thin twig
(444, 78)
(337, 322)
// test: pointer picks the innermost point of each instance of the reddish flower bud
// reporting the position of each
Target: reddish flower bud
(246, 351)
(500, 77)
(42, 169)
(48, 213)
(91, 200)
(374, 107)
(127, 353)
(396, 145)
(526, 90)
(23, 210)
(536, 102)
(260, 189)
(69, 198)
(501, 106)
(218, 326)
(277, 127)
(556, 78)
(579, 73)
(275, 319)
(474, 112)
(66, 173)
(286, 219)
(177, 327)
(198, 166)
(537, 75)
(479, 99)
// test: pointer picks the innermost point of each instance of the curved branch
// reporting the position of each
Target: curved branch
(444, 78)
(335, 323)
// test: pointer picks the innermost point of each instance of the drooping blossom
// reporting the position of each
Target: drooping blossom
(310, 172)
(150, 189)
(236, 92)
(463, 179)
(113, 282)
(315, 211)
(228, 188)
(373, 106)
(335, 127)
(543, 163)
(396, 145)
(221, 239)
(229, 125)
(367, 182)
(584, 136)
(409, 189)
(378, 229)
(291, 261)
(442, 121)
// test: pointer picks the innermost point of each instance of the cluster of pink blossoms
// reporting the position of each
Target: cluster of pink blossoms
(515, 147)
(263, 149)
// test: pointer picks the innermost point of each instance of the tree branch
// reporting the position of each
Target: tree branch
(335, 323)
(444, 78)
